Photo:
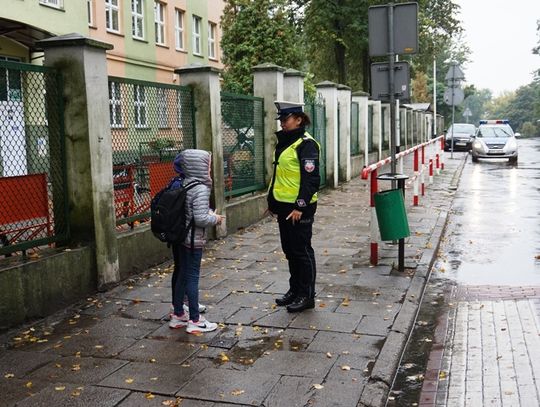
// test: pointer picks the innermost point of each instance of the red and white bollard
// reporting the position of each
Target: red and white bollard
(416, 180)
(374, 245)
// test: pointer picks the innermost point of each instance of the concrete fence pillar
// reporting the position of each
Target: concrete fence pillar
(344, 148)
(293, 86)
(268, 84)
(329, 93)
(82, 62)
(362, 99)
(207, 97)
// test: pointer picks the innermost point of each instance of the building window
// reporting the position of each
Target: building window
(115, 104)
(90, 12)
(139, 102)
(52, 3)
(211, 40)
(112, 12)
(197, 35)
(163, 117)
(159, 18)
(137, 19)
(10, 82)
(179, 29)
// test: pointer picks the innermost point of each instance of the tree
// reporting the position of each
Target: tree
(255, 32)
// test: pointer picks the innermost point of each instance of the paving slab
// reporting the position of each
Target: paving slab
(261, 355)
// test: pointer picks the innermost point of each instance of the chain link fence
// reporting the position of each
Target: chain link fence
(242, 126)
(355, 129)
(316, 110)
(33, 208)
(150, 124)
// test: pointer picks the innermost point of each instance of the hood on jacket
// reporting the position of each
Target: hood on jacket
(194, 164)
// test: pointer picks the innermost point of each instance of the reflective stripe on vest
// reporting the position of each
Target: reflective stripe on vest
(287, 181)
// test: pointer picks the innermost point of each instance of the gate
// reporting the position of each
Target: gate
(33, 209)
(316, 111)
(242, 126)
(150, 124)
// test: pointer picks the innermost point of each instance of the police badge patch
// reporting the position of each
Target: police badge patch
(309, 165)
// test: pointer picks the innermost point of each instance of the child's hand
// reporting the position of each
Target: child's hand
(219, 218)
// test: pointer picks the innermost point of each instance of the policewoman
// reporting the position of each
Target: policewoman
(292, 196)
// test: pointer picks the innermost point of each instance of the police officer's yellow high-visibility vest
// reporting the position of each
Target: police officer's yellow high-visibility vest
(287, 178)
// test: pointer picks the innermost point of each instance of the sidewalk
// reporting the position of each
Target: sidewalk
(115, 350)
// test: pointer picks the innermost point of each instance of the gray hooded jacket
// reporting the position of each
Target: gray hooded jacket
(194, 165)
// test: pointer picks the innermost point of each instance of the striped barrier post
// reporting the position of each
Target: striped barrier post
(415, 184)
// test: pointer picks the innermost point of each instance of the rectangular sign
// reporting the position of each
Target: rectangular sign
(405, 29)
(379, 81)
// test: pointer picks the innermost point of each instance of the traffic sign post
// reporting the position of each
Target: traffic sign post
(466, 114)
(453, 95)
(393, 30)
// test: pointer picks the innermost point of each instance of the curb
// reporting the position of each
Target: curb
(384, 371)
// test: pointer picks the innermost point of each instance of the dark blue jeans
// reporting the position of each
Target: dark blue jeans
(187, 266)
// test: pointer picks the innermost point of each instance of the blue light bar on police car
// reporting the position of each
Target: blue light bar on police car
(505, 121)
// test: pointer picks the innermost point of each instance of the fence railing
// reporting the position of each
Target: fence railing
(316, 111)
(355, 129)
(150, 124)
(242, 126)
(33, 195)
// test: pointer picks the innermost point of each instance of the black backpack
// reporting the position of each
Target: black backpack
(169, 214)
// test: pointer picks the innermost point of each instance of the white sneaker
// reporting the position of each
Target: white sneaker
(202, 308)
(178, 321)
(202, 325)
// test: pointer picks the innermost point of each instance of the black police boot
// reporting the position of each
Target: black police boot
(301, 303)
(287, 299)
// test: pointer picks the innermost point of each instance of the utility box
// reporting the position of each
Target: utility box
(391, 215)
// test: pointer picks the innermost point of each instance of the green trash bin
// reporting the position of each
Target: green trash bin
(391, 215)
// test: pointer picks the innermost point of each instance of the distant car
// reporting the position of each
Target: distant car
(495, 139)
(463, 136)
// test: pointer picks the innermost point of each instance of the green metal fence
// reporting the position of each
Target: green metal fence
(316, 111)
(370, 129)
(242, 126)
(385, 132)
(355, 129)
(150, 124)
(33, 208)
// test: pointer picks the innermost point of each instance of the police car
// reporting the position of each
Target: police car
(495, 139)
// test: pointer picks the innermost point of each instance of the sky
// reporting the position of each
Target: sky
(501, 35)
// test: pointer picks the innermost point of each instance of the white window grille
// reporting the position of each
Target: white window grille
(159, 19)
(211, 40)
(52, 3)
(115, 104)
(10, 82)
(179, 29)
(197, 35)
(139, 104)
(112, 13)
(163, 117)
(90, 12)
(137, 19)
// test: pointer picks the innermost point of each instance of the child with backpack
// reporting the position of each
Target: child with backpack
(195, 168)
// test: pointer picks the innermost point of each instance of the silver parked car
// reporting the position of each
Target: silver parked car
(462, 134)
(495, 139)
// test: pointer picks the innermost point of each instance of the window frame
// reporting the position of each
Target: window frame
(140, 107)
(110, 10)
(159, 25)
(212, 50)
(136, 17)
(90, 12)
(58, 4)
(179, 29)
(196, 31)
(115, 105)
(163, 114)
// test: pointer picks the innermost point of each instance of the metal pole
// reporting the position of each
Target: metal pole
(391, 60)
(434, 97)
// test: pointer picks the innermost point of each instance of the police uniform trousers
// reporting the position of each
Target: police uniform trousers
(296, 244)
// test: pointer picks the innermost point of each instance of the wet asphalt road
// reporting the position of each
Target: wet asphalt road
(476, 341)
(494, 234)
